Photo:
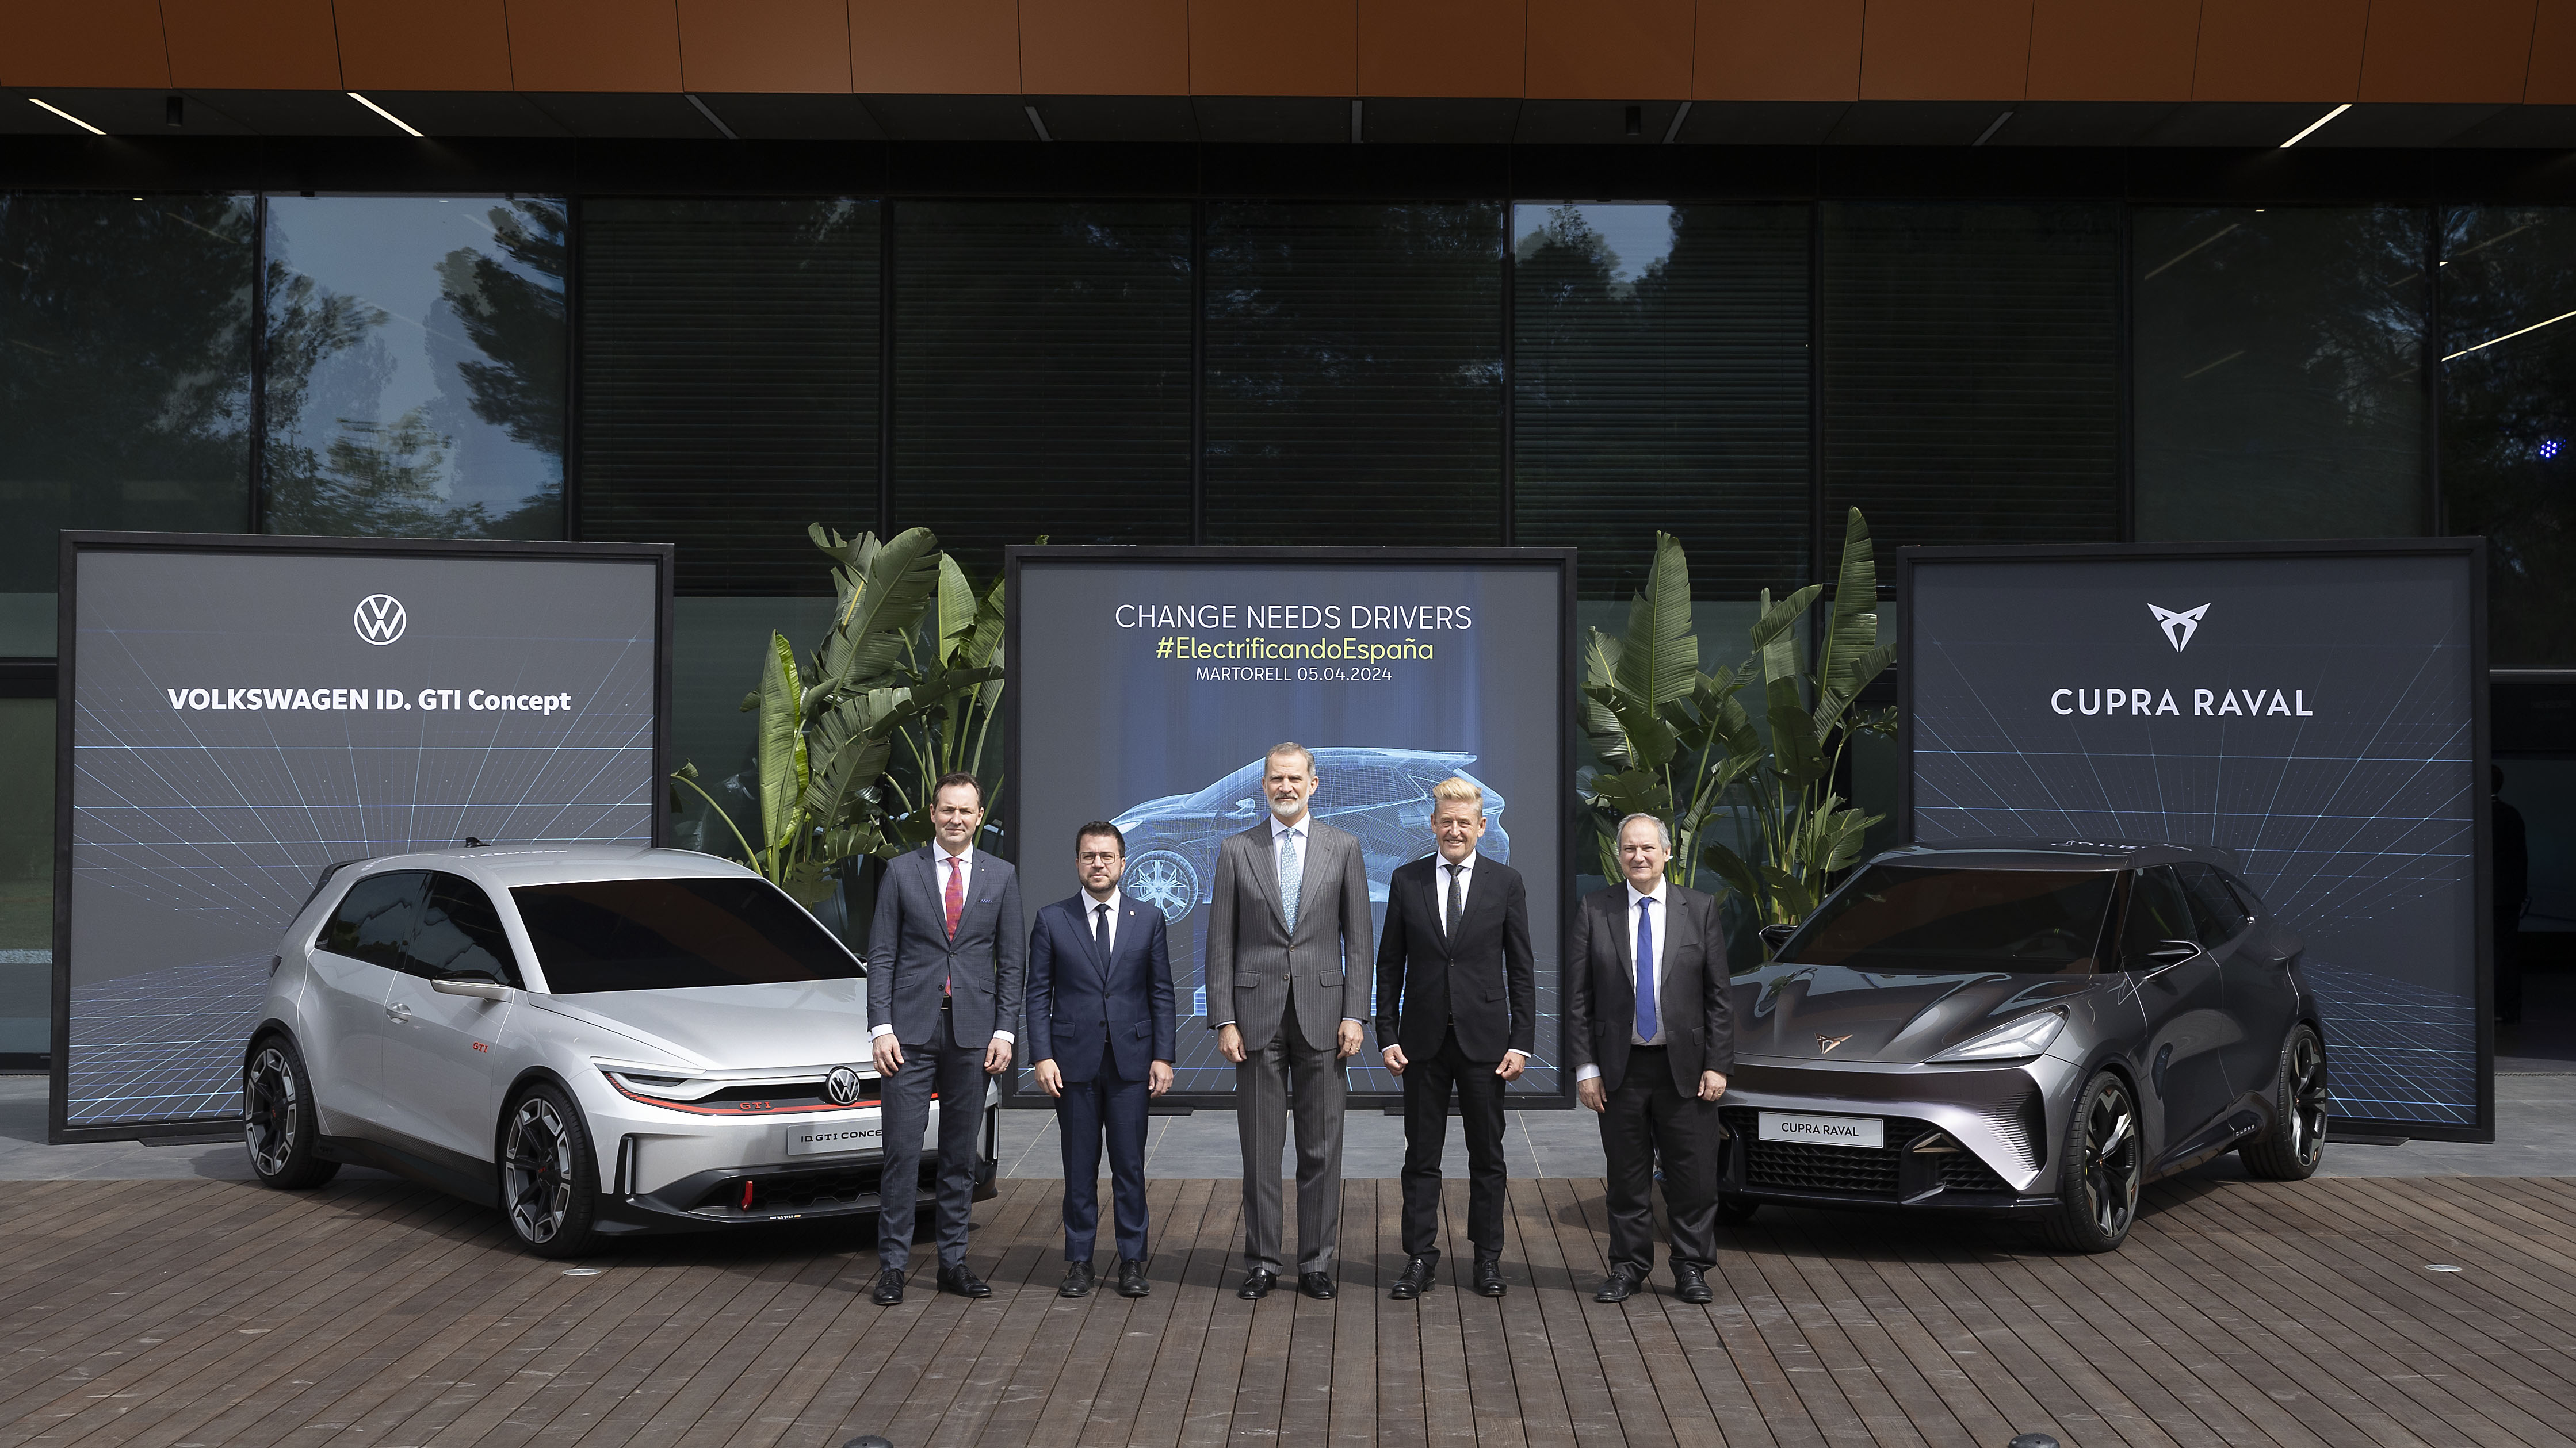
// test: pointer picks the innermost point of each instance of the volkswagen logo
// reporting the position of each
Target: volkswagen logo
(842, 1086)
(380, 618)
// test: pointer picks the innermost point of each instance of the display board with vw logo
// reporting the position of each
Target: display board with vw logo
(238, 713)
(2318, 708)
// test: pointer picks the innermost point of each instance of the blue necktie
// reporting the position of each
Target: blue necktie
(1292, 873)
(1646, 1026)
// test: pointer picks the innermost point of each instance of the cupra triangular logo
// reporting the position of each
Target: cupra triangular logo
(2178, 627)
(1825, 1044)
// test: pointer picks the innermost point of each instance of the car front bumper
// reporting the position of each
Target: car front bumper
(1956, 1138)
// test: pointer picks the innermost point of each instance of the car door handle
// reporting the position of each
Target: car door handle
(398, 1013)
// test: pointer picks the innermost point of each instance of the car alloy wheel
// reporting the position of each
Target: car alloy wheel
(2294, 1143)
(2307, 1097)
(277, 1119)
(2101, 1170)
(537, 1172)
(1165, 881)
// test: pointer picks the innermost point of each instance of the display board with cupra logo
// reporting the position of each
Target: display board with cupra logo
(239, 713)
(2317, 708)
(1147, 684)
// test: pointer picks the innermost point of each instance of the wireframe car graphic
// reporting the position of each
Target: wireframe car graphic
(1381, 795)
(600, 1040)
(2025, 1027)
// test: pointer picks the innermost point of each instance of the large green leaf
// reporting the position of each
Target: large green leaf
(957, 607)
(1730, 867)
(1600, 676)
(781, 744)
(878, 607)
(1659, 662)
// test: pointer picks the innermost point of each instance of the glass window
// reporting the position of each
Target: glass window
(1659, 381)
(1042, 373)
(1354, 373)
(2157, 913)
(459, 933)
(26, 880)
(1905, 920)
(376, 918)
(415, 367)
(2214, 908)
(729, 383)
(2509, 419)
(1972, 381)
(125, 335)
(598, 935)
(2280, 381)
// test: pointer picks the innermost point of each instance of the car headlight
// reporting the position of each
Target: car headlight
(2011, 1041)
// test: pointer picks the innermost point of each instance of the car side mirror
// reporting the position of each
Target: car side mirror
(1244, 809)
(2173, 952)
(471, 983)
(1776, 936)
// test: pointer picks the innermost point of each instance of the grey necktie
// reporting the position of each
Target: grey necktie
(1292, 873)
(1449, 924)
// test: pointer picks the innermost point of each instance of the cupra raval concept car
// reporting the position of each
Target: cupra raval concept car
(2027, 1027)
(600, 1040)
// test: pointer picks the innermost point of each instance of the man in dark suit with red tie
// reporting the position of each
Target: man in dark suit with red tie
(1650, 1033)
(1457, 1005)
(1101, 1033)
(946, 953)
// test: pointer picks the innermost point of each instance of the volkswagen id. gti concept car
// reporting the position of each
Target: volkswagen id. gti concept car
(599, 1040)
(2024, 1027)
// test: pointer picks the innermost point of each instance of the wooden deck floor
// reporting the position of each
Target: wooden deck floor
(212, 1313)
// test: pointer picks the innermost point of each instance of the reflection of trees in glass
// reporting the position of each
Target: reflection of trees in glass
(2509, 420)
(1356, 346)
(1673, 398)
(124, 370)
(497, 328)
(2279, 379)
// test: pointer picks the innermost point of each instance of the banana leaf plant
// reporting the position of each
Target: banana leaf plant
(954, 660)
(1682, 745)
(827, 728)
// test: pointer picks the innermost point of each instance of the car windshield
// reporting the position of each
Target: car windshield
(602, 935)
(1244, 783)
(1913, 920)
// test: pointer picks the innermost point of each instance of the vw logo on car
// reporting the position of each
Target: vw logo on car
(842, 1086)
(380, 618)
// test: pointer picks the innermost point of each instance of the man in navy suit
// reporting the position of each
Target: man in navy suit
(1100, 1030)
(945, 961)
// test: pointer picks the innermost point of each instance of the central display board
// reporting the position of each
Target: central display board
(1147, 684)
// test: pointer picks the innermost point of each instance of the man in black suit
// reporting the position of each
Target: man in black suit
(1650, 1033)
(1457, 1002)
(945, 959)
(1100, 1030)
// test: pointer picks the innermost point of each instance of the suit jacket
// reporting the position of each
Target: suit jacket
(910, 955)
(1693, 995)
(1077, 1000)
(1481, 981)
(1257, 973)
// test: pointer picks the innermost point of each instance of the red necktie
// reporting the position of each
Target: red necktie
(956, 893)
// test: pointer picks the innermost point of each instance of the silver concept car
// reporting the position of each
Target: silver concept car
(2026, 1027)
(599, 1040)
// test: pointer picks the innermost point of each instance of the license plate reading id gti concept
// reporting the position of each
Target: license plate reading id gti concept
(834, 1137)
(1867, 1133)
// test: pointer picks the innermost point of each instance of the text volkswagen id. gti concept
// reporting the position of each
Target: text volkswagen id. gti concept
(600, 1040)
(2024, 1026)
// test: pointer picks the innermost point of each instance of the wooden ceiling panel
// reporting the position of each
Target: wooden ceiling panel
(783, 45)
(1636, 51)
(1287, 48)
(595, 45)
(1105, 47)
(2084, 50)
(2447, 50)
(104, 43)
(2280, 50)
(400, 45)
(1454, 48)
(1946, 50)
(952, 47)
(1752, 51)
(252, 44)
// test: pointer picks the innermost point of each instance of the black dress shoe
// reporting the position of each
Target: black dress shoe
(1489, 1276)
(1690, 1282)
(1131, 1278)
(1077, 1280)
(962, 1280)
(1415, 1281)
(889, 1288)
(1620, 1285)
(1257, 1285)
(1317, 1285)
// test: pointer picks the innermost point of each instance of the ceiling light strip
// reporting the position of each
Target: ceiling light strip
(712, 118)
(2312, 125)
(2204, 241)
(1988, 133)
(2509, 336)
(1675, 128)
(66, 115)
(388, 115)
(1037, 123)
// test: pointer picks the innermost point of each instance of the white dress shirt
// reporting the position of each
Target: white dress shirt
(1465, 870)
(939, 868)
(1628, 948)
(1091, 915)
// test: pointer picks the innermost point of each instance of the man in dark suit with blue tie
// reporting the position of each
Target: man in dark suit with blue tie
(946, 956)
(1100, 1031)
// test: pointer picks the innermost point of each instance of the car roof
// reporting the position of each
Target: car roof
(2057, 854)
(506, 866)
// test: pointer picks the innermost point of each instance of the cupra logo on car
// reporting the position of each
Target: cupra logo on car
(2178, 627)
(1826, 1044)
(380, 618)
(842, 1086)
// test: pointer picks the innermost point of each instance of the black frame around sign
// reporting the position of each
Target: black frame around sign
(1568, 662)
(67, 635)
(2470, 550)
